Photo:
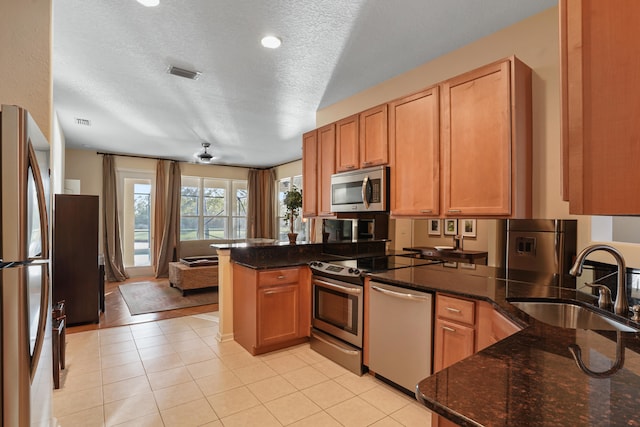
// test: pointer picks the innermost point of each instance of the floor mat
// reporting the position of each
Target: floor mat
(150, 297)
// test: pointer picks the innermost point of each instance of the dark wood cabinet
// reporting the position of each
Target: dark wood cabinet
(75, 268)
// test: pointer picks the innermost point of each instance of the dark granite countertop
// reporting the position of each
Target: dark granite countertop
(529, 378)
(455, 254)
(263, 256)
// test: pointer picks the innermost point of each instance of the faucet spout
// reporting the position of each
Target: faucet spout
(621, 305)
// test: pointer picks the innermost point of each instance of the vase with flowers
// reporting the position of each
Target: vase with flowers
(293, 203)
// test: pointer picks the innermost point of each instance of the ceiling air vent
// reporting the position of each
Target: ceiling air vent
(181, 72)
(83, 122)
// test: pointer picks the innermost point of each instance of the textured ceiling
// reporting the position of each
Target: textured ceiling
(252, 104)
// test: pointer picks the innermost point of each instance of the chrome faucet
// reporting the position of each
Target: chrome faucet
(621, 305)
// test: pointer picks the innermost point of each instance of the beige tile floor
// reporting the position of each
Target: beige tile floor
(175, 373)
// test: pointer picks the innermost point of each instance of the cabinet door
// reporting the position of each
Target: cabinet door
(486, 146)
(374, 148)
(492, 326)
(600, 59)
(326, 167)
(310, 174)
(415, 154)
(278, 314)
(347, 143)
(452, 343)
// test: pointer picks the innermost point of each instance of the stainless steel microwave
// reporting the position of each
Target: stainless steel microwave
(363, 190)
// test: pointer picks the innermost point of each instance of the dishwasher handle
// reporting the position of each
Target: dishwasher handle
(401, 295)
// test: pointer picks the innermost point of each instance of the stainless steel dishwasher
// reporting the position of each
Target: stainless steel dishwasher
(400, 334)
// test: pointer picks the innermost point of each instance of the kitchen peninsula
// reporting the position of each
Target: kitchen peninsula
(263, 257)
(528, 378)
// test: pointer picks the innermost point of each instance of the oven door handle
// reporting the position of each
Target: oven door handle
(350, 291)
(400, 294)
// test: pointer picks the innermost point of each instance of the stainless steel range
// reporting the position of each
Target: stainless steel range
(337, 305)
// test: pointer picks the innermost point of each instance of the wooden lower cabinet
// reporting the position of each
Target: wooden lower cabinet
(491, 326)
(454, 342)
(454, 337)
(462, 328)
(271, 308)
(278, 308)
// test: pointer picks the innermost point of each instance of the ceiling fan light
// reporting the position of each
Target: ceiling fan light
(149, 3)
(204, 156)
(271, 42)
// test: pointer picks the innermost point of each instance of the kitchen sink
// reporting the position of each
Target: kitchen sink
(571, 316)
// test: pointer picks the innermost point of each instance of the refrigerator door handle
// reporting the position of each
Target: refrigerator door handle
(42, 323)
(42, 204)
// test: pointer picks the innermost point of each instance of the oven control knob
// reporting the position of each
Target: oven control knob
(316, 264)
(354, 271)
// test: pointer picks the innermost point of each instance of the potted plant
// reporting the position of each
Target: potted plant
(293, 203)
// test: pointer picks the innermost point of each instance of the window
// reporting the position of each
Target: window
(136, 219)
(212, 208)
(301, 225)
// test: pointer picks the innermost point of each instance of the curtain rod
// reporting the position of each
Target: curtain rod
(101, 153)
(135, 156)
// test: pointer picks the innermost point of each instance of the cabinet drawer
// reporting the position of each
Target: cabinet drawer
(455, 309)
(277, 277)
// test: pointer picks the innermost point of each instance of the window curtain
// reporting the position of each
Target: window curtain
(159, 209)
(261, 204)
(113, 265)
(171, 232)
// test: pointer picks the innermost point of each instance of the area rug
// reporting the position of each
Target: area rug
(151, 297)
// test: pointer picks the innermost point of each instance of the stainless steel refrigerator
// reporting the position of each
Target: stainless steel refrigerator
(541, 250)
(25, 320)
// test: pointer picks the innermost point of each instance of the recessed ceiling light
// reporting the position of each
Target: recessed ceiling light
(149, 3)
(271, 42)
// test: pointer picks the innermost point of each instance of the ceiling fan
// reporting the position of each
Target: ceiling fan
(203, 156)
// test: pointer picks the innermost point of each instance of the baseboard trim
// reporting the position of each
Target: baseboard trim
(225, 337)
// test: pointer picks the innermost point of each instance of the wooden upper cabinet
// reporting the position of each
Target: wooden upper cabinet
(326, 167)
(374, 148)
(310, 174)
(486, 142)
(414, 145)
(347, 144)
(600, 59)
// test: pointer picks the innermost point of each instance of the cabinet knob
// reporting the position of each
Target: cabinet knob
(426, 211)
(446, 328)
(454, 211)
(453, 310)
(281, 277)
